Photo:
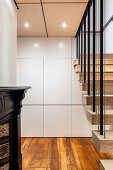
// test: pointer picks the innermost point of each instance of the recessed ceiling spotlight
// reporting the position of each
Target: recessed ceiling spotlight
(64, 25)
(26, 25)
(61, 44)
(36, 45)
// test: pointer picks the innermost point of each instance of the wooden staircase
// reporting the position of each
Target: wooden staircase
(104, 144)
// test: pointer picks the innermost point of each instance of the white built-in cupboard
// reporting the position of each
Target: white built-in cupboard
(53, 107)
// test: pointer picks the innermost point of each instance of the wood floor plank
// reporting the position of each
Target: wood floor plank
(25, 146)
(60, 154)
(85, 163)
(54, 161)
(35, 169)
(26, 163)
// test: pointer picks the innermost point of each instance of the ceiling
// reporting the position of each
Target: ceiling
(45, 17)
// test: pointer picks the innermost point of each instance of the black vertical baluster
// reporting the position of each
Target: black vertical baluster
(88, 49)
(93, 55)
(81, 47)
(101, 67)
(77, 47)
(84, 49)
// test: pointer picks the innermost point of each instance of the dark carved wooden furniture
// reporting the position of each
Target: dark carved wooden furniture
(10, 127)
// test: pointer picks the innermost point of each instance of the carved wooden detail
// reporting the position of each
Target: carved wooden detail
(10, 129)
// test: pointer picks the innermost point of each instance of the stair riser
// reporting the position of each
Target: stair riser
(93, 119)
(106, 61)
(103, 146)
(107, 100)
(107, 68)
(106, 76)
(107, 88)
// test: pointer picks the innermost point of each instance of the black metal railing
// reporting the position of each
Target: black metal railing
(87, 63)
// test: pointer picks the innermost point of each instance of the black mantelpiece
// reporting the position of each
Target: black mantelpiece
(10, 127)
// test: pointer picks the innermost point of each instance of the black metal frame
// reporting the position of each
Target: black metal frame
(81, 46)
(101, 67)
(88, 49)
(84, 49)
(77, 47)
(93, 55)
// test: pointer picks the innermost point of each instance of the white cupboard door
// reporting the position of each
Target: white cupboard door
(30, 73)
(80, 124)
(32, 121)
(57, 81)
(57, 121)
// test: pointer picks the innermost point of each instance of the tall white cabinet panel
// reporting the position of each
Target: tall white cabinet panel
(57, 81)
(57, 121)
(44, 47)
(32, 121)
(80, 124)
(30, 72)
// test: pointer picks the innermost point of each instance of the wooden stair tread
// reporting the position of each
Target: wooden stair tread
(93, 117)
(103, 145)
(106, 165)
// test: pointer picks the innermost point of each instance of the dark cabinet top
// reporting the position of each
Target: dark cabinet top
(11, 99)
(14, 88)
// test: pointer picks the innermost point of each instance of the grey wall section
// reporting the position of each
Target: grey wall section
(8, 42)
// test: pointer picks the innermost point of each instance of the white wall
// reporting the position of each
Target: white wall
(53, 107)
(8, 42)
(108, 33)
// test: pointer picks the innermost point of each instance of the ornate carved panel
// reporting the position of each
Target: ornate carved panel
(5, 167)
(4, 130)
(10, 127)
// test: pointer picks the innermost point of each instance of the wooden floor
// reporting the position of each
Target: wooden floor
(60, 154)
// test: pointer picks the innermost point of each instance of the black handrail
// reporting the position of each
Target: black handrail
(85, 14)
(108, 22)
(105, 26)
(16, 4)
